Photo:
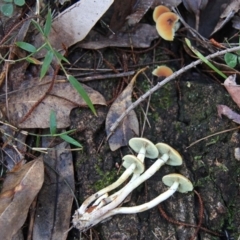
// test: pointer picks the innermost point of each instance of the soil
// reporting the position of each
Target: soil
(180, 113)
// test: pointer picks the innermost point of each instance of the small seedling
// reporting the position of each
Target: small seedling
(8, 5)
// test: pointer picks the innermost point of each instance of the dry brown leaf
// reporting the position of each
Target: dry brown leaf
(129, 127)
(72, 25)
(228, 112)
(53, 212)
(141, 37)
(19, 190)
(233, 89)
(62, 100)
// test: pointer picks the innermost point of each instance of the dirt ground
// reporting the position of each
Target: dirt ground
(181, 112)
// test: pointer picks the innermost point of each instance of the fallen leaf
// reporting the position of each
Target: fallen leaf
(62, 100)
(72, 25)
(121, 9)
(141, 8)
(230, 9)
(53, 212)
(228, 112)
(233, 89)
(170, 3)
(129, 127)
(141, 37)
(19, 190)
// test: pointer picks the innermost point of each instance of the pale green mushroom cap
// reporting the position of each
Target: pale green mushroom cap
(185, 185)
(137, 143)
(175, 158)
(128, 160)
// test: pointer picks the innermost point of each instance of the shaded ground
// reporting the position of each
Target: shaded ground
(180, 113)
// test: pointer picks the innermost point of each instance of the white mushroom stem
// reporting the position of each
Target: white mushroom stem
(107, 189)
(141, 154)
(86, 220)
(159, 163)
(146, 206)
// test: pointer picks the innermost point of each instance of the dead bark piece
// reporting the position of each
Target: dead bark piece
(62, 99)
(141, 37)
(55, 199)
(129, 126)
(233, 89)
(19, 190)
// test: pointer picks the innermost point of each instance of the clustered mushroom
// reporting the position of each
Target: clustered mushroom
(101, 205)
(166, 22)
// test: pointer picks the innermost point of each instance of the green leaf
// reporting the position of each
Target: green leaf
(77, 85)
(231, 59)
(46, 64)
(37, 26)
(70, 140)
(53, 122)
(7, 9)
(19, 2)
(205, 60)
(26, 46)
(47, 26)
(60, 56)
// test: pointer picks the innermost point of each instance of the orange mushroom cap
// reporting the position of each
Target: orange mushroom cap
(165, 25)
(159, 10)
(162, 71)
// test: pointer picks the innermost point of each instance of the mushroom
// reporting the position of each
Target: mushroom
(167, 24)
(162, 71)
(144, 148)
(132, 165)
(175, 181)
(159, 10)
(168, 155)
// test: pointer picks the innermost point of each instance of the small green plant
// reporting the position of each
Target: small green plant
(64, 135)
(50, 55)
(204, 59)
(7, 6)
(232, 59)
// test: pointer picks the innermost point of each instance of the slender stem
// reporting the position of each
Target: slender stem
(143, 207)
(142, 153)
(107, 189)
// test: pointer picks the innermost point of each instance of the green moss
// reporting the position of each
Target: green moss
(107, 178)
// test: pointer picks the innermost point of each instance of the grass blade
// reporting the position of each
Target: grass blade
(26, 46)
(70, 140)
(53, 123)
(48, 24)
(46, 64)
(200, 56)
(77, 85)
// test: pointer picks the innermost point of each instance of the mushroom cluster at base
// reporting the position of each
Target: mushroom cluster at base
(102, 205)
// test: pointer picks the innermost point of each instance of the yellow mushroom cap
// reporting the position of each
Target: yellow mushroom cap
(162, 71)
(159, 10)
(165, 25)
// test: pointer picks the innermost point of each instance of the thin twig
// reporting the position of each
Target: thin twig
(162, 83)
(200, 215)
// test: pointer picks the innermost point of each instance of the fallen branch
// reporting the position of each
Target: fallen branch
(162, 83)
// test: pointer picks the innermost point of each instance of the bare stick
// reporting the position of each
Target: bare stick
(162, 83)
